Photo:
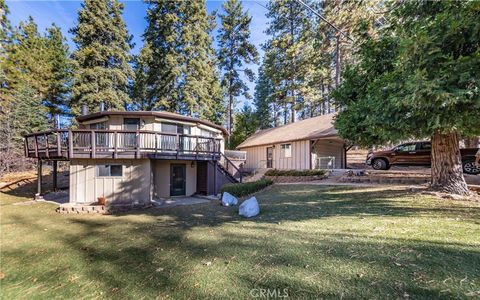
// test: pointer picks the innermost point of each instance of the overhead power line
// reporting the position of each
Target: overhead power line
(325, 20)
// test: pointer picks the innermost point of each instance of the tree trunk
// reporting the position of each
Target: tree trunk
(447, 173)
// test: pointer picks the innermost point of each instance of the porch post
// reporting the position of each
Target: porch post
(215, 177)
(38, 196)
(54, 175)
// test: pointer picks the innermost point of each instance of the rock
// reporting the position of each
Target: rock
(228, 199)
(249, 208)
(360, 173)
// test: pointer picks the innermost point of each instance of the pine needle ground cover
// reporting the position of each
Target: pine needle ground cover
(314, 241)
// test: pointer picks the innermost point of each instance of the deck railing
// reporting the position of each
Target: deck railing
(66, 144)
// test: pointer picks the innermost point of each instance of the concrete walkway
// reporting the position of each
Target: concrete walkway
(181, 201)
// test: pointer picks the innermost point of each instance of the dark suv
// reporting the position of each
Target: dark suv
(417, 154)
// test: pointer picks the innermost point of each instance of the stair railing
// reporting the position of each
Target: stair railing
(230, 167)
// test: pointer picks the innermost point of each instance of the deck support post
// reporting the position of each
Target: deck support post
(54, 175)
(215, 177)
(38, 195)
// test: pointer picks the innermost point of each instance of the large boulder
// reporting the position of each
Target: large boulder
(249, 208)
(228, 199)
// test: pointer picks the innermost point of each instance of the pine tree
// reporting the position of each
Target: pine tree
(23, 114)
(235, 53)
(23, 81)
(290, 22)
(245, 126)
(102, 57)
(419, 78)
(56, 99)
(5, 27)
(5, 42)
(181, 71)
(141, 88)
(42, 62)
(27, 63)
(263, 102)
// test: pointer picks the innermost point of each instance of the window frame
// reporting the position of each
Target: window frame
(102, 125)
(420, 146)
(125, 124)
(109, 170)
(397, 149)
(283, 150)
(180, 129)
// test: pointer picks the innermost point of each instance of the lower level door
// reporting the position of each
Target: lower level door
(269, 157)
(177, 179)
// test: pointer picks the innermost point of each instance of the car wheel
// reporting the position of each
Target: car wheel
(379, 164)
(469, 167)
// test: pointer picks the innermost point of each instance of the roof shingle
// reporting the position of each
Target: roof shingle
(308, 129)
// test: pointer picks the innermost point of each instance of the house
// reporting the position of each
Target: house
(134, 157)
(308, 144)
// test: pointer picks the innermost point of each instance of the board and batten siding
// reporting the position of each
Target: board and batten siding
(299, 160)
(162, 176)
(303, 157)
(132, 187)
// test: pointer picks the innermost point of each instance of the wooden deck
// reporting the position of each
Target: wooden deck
(120, 144)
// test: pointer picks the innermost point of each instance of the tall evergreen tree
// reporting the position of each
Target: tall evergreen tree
(246, 125)
(263, 101)
(289, 23)
(235, 53)
(25, 76)
(181, 73)
(102, 57)
(5, 26)
(5, 42)
(42, 62)
(419, 78)
(56, 98)
(141, 89)
(28, 62)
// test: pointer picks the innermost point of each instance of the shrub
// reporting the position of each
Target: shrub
(276, 172)
(247, 188)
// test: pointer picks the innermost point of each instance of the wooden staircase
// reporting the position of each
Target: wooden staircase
(227, 174)
(229, 169)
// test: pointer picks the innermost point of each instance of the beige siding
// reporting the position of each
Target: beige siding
(299, 160)
(86, 186)
(150, 123)
(256, 157)
(161, 169)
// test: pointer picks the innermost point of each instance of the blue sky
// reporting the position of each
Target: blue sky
(64, 14)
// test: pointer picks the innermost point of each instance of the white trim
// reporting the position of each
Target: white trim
(161, 120)
(209, 128)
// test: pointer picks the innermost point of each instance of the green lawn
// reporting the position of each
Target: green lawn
(317, 242)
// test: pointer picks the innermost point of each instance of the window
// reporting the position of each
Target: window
(131, 123)
(99, 126)
(426, 146)
(109, 170)
(175, 128)
(100, 137)
(406, 148)
(286, 150)
(169, 127)
(206, 133)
